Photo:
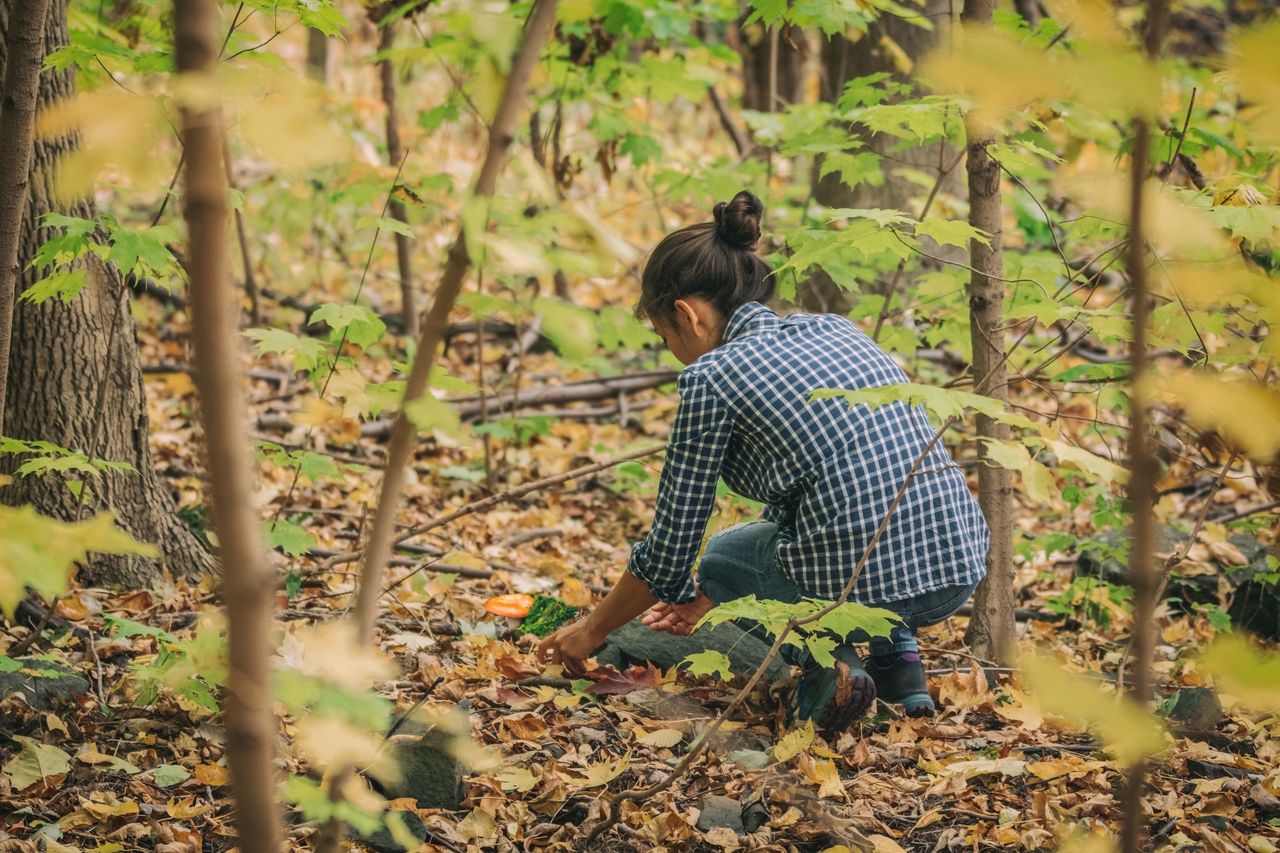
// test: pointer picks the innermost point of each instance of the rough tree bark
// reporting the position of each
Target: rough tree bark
(248, 590)
(843, 60)
(992, 627)
(395, 153)
(1143, 465)
(64, 353)
(21, 86)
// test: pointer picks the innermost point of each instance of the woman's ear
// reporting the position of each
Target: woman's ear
(686, 316)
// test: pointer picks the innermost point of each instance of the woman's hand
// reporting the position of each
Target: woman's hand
(678, 619)
(571, 646)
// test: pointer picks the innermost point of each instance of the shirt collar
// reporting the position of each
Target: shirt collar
(749, 319)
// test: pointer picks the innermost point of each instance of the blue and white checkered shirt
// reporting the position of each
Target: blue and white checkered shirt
(827, 471)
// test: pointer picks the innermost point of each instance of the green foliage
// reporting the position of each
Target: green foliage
(1094, 599)
(709, 662)
(545, 616)
(39, 552)
(140, 252)
(942, 403)
(193, 669)
(848, 621)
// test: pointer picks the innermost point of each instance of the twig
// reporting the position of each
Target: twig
(1245, 513)
(501, 497)
(1186, 122)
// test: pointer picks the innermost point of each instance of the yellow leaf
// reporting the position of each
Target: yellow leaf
(997, 70)
(185, 808)
(1054, 768)
(113, 128)
(1022, 710)
(575, 593)
(280, 113)
(1129, 731)
(884, 844)
(823, 773)
(1256, 66)
(794, 742)
(38, 551)
(603, 772)
(54, 724)
(660, 738)
(103, 805)
(1243, 411)
(519, 779)
(214, 775)
(330, 743)
(1251, 676)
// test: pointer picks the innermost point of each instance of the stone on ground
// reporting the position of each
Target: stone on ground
(1195, 710)
(717, 812)
(429, 771)
(42, 684)
(635, 644)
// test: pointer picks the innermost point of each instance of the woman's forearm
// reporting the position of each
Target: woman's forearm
(627, 600)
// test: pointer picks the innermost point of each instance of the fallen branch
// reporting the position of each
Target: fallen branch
(501, 497)
(475, 407)
(636, 795)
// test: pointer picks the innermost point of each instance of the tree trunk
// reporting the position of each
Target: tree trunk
(843, 60)
(991, 629)
(64, 355)
(248, 590)
(318, 56)
(752, 44)
(1143, 465)
(21, 86)
(395, 154)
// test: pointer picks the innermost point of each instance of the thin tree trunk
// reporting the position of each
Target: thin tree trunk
(395, 153)
(404, 433)
(248, 590)
(242, 240)
(63, 356)
(21, 88)
(991, 630)
(318, 56)
(1143, 465)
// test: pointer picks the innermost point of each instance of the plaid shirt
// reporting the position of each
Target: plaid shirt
(827, 471)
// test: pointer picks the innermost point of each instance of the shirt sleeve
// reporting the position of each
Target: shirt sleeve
(686, 493)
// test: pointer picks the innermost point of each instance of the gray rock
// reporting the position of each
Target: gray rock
(586, 734)
(1195, 710)
(1255, 602)
(754, 815)
(51, 684)
(429, 771)
(382, 842)
(716, 812)
(636, 644)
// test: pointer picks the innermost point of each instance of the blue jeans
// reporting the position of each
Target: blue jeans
(743, 561)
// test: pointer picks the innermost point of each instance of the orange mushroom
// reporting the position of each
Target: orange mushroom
(514, 605)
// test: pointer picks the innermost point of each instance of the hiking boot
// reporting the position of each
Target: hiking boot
(834, 698)
(899, 678)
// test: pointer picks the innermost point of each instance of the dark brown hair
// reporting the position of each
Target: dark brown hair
(714, 260)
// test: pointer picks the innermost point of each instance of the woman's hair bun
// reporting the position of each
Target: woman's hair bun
(738, 221)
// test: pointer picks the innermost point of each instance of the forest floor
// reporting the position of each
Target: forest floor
(991, 771)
